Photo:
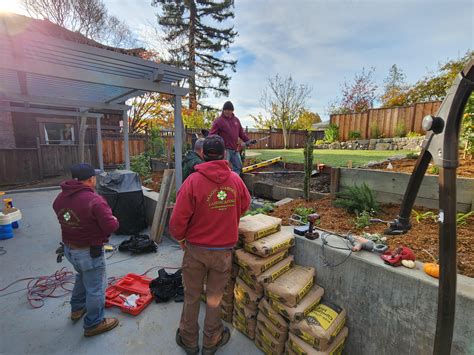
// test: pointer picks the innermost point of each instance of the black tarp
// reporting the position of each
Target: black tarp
(123, 191)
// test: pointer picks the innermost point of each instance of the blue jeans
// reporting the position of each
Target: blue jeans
(233, 157)
(90, 285)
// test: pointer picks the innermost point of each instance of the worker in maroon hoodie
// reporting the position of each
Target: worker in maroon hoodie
(86, 223)
(205, 222)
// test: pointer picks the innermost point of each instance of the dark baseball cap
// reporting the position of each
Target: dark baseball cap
(83, 171)
(213, 148)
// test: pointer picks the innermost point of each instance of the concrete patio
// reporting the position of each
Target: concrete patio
(48, 330)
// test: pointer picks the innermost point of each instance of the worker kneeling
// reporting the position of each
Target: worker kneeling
(205, 222)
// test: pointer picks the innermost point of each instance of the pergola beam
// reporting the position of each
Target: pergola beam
(9, 62)
(54, 101)
(43, 111)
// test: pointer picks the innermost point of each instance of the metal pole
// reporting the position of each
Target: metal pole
(447, 261)
(178, 141)
(125, 140)
(99, 144)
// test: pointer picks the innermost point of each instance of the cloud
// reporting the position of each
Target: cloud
(324, 42)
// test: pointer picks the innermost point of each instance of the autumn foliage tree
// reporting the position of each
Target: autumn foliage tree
(395, 89)
(357, 95)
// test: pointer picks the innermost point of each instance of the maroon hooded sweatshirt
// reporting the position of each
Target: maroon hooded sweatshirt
(230, 129)
(209, 205)
(85, 217)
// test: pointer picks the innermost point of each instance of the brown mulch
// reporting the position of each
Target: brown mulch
(466, 167)
(156, 181)
(423, 235)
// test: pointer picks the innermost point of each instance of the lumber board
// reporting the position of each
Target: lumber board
(157, 226)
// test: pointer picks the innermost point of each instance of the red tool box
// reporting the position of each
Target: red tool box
(130, 284)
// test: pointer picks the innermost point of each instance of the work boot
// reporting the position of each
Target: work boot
(76, 315)
(106, 325)
(224, 340)
(187, 349)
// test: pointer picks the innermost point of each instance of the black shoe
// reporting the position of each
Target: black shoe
(224, 340)
(187, 349)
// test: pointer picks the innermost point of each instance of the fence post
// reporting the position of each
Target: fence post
(40, 158)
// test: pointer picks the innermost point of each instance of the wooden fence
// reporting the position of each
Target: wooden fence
(384, 120)
(275, 141)
(113, 149)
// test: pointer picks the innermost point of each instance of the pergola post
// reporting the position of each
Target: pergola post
(99, 143)
(82, 136)
(125, 140)
(178, 141)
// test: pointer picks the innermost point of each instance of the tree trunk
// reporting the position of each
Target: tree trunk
(285, 137)
(192, 55)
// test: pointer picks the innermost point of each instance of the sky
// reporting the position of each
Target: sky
(323, 43)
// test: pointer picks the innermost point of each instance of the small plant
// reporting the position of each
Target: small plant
(400, 129)
(419, 216)
(141, 164)
(319, 142)
(303, 212)
(412, 156)
(434, 169)
(412, 134)
(267, 208)
(376, 238)
(461, 218)
(357, 199)
(375, 131)
(308, 164)
(362, 220)
(354, 135)
(331, 134)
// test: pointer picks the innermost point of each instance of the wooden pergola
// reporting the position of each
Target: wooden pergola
(47, 75)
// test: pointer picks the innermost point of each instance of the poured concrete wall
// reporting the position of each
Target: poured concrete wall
(390, 310)
(390, 187)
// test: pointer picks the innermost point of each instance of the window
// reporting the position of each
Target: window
(59, 133)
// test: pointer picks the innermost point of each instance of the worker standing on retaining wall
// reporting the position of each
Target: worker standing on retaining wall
(205, 222)
(229, 128)
(86, 224)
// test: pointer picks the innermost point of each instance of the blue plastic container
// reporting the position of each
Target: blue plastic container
(6, 231)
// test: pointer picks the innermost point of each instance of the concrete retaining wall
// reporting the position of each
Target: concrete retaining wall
(390, 310)
(390, 187)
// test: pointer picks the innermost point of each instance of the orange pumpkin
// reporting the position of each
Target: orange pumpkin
(431, 269)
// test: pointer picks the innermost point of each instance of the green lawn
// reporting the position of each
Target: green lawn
(329, 156)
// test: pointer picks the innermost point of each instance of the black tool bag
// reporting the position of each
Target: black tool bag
(167, 286)
(139, 244)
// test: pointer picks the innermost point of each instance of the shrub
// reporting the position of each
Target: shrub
(319, 142)
(357, 199)
(400, 129)
(434, 169)
(375, 131)
(331, 134)
(362, 220)
(412, 134)
(267, 208)
(156, 144)
(303, 212)
(141, 164)
(412, 156)
(354, 135)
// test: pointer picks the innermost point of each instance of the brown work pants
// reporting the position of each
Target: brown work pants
(198, 263)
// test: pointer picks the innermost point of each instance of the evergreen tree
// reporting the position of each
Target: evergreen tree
(198, 45)
(395, 88)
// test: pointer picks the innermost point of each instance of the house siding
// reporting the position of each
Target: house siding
(7, 136)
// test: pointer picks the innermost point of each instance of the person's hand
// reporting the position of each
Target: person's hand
(182, 244)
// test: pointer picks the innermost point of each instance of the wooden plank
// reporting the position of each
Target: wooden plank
(160, 215)
(335, 180)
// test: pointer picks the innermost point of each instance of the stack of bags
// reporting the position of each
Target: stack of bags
(263, 258)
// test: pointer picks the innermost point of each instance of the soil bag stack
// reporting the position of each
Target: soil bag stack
(320, 332)
(263, 258)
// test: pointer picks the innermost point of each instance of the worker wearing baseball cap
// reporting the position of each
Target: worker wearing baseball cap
(228, 126)
(205, 222)
(86, 223)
